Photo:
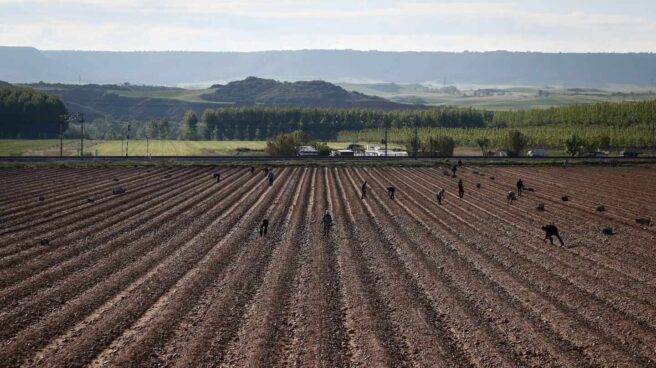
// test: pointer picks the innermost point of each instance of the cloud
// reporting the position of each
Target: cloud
(292, 24)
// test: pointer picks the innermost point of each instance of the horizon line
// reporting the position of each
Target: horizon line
(338, 50)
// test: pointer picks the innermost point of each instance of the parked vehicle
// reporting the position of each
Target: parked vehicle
(537, 152)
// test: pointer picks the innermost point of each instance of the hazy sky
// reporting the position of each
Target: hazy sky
(218, 25)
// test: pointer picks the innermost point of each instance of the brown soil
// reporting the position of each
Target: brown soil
(174, 273)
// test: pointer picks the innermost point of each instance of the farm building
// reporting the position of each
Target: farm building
(307, 151)
(344, 153)
(378, 152)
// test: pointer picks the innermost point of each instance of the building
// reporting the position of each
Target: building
(375, 151)
(344, 153)
(307, 151)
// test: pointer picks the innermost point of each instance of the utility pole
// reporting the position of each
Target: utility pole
(147, 147)
(61, 134)
(416, 147)
(81, 119)
(385, 139)
(127, 141)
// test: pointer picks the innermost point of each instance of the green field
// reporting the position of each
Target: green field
(36, 147)
(135, 148)
(50, 147)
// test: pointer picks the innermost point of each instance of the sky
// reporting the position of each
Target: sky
(234, 25)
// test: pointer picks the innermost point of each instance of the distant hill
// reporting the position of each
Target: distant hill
(154, 102)
(268, 92)
(29, 65)
(4, 84)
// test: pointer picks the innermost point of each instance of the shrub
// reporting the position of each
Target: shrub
(324, 149)
(286, 144)
(516, 142)
(574, 145)
(484, 145)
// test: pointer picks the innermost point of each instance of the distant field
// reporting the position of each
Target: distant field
(136, 148)
(50, 147)
(515, 98)
(36, 147)
(181, 148)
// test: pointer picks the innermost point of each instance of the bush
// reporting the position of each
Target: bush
(441, 146)
(516, 142)
(574, 145)
(484, 145)
(324, 149)
(286, 144)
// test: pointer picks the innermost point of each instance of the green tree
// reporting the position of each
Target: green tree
(164, 129)
(286, 144)
(484, 144)
(153, 129)
(574, 145)
(189, 128)
(209, 123)
(516, 142)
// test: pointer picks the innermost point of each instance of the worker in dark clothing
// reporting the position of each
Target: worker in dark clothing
(270, 177)
(461, 189)
(440, 196)
(266, 171)
(459, 163)
(550, 231)
(364, 190)
(327, 222)
(217, 176)
(264, 226)
(520, 187)
(454, 169)
(390, 192)
(252, 170)
(511, 197)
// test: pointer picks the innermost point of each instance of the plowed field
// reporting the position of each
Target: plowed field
(173, 271)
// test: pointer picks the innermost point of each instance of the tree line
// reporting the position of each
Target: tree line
(626, 114)
(250, 123)
(29, 114)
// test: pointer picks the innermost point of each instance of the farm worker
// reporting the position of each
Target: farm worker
(454, 168)
(550, 231)
(271, 177)
(264, 227)
(511, 197)
(217, 176)
(520, 187)
(252, 170)
(440, 195)
(461, 189)
(390, 192)
(327, 222)
(459, 163)
(364, 190)
(266, 171)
